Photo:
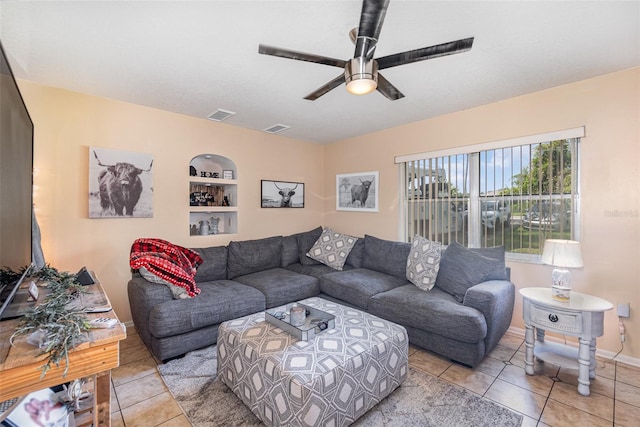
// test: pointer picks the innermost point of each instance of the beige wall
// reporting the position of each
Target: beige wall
(67, 124)
(608, 107)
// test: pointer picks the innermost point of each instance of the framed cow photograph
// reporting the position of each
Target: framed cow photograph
(357, 192)
(281, 194)
(120, 184)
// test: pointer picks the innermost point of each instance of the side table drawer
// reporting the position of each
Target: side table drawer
(556, 320)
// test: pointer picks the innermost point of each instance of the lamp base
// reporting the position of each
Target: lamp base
(560, 293)
(561, 285)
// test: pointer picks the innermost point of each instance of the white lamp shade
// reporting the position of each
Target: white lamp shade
(562, 253)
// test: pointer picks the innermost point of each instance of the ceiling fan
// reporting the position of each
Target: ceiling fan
(361, 72)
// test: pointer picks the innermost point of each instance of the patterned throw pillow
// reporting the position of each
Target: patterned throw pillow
(423, 262)
(332, 248)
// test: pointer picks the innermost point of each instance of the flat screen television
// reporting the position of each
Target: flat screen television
(16, 181)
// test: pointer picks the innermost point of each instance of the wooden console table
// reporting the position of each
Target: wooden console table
(582, 316)
(21, 369)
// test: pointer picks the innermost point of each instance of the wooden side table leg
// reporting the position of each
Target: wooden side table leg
(584, 359)
(528, 353)
(102, 412)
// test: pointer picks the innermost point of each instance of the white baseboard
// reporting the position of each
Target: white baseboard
(129, 324)
(628, 360)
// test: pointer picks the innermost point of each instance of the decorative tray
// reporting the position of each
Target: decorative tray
(315, 322)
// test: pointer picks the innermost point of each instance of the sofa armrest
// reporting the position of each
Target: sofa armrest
(494, 299)
(143, 296)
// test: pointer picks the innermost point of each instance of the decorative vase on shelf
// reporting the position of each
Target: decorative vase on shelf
(214, 224)
(204, 227)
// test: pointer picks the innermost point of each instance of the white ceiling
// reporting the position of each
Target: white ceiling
(195, 57)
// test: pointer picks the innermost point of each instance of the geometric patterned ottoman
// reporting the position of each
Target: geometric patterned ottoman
(330, 380)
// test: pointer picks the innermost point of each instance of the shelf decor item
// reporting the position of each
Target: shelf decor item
(562, 254)
(227, 174)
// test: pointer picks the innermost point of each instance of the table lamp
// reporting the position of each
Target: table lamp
(562, 254)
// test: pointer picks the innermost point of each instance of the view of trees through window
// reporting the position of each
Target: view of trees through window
(515, 196)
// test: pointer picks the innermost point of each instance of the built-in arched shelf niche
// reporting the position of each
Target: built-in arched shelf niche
(213, 195)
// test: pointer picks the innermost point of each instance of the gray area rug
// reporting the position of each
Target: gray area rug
(422, 400)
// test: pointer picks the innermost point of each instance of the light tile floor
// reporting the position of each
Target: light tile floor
(549, 398)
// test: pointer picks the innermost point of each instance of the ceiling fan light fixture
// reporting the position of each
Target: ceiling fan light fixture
(361, 76)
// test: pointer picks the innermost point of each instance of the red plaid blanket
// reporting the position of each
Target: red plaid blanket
(173, 263)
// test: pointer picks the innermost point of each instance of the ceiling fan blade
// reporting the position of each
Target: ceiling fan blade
(371, 20)
(387, 89)
(326, 88)
(430, 52)
(300, 56)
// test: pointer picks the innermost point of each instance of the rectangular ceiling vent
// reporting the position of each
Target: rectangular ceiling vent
(221, 115)
(277, 128)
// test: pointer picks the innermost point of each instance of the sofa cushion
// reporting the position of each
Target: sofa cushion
(305, 242)
(435, 311)
(281, 286)
(423, 262)
(462, 268)
(250, 256)
(497, 253)
(385, 256)
(289, 253)
(315, 270)
(214, 265)
(358, 285)
(355, 256)
(332, 248)
(218, 302)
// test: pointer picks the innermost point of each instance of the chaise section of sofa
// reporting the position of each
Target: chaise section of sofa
(171, 327)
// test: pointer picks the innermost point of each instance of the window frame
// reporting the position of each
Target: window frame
(474, 229)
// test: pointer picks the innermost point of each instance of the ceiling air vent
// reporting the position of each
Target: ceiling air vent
(276, 128)
(221, 115)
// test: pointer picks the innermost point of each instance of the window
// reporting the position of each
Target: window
(515, 193)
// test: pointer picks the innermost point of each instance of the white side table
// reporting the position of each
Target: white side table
(582, 317)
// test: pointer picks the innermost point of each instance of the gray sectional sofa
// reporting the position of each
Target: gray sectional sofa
(250, 276)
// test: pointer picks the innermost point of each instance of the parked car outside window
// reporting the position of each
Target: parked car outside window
(548, 215)
(495, 212)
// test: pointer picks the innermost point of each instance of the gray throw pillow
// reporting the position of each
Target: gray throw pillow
(423, 262)
(176, 291)
(462, 268)
(332, 248)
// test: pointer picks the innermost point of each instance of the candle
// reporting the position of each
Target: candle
(297, 316)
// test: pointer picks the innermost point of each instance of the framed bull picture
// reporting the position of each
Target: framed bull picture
(357, 192)
(282, 194)
(120, 184)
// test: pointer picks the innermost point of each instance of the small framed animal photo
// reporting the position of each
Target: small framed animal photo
(120, 184)
(282, 194)
(357, 192)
